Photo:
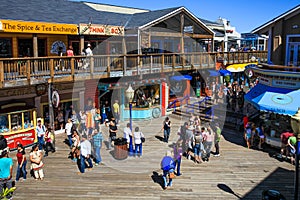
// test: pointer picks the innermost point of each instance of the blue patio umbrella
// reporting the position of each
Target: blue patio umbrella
(224, 72)
(281, 103)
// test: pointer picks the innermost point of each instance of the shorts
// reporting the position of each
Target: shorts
(262, 136)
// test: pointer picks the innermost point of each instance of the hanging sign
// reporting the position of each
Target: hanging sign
(55, 99)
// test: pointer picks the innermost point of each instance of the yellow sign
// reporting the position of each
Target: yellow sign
(94, 29)
(239, 67)
(37, 27)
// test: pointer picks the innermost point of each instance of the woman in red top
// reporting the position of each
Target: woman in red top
(21, 169)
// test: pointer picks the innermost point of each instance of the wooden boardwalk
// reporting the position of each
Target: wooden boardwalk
(238, 173)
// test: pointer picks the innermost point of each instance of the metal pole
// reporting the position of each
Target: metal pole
(51, 113)
(130, 122)
(296, 192)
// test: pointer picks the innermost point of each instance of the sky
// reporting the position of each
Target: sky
(245, 15)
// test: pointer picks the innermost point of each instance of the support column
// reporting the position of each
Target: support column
(81, 45)
(164, 97)
(182, 33)
(37, 103)
(81, 100)
(35, 46)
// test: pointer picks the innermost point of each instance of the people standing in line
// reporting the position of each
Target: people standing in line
(40, 129)
(97, 144)
(177, 157)
(68, 130)
(261, 134)
(138, 145)
(113, 129)
(208, 140)
(82, 125)
(182, 135)
(292, 148)
(85, 155)
(284, 143)
(49, 142)
(116, 111)
(218, 133)
(75, 151)
(167, 129)
(97, 119)
(198, 146)
(168, 166)
(127, 134)
(36, 162)
(6, 169)
(21, 161)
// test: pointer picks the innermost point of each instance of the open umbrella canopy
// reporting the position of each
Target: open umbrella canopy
(277, 101)
(224, 72)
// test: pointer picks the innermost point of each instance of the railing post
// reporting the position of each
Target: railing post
(173, 61)
(92, 66)
(183, 61)
(124, 65)
(192, 60)
(1, 74)
(28, 74)
(51, 66)
(72, 68)
(108, 66)
(151, 64)
(162, 62)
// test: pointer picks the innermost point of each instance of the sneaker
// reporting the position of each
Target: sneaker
(96, 164)
(217, 155)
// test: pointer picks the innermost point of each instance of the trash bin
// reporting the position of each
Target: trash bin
(272, 195)
(120, 151)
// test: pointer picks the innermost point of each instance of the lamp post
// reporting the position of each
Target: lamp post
(129, 94)
(295, 123)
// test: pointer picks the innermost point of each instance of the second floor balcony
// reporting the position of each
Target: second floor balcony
(31, 71)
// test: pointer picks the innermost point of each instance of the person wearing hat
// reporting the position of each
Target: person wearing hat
(88, 50)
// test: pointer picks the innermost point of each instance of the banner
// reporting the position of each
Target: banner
(12, 26)
(95, 29)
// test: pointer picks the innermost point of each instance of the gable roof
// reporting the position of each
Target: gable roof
(296, 8)
(73, 12)
(140, 19)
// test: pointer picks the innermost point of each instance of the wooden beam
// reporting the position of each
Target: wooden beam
(200, 36)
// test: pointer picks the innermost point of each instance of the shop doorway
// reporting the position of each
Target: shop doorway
(293, 57)
(25, 47)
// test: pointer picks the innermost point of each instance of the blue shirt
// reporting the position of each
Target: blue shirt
(97, 139)
(5, 164)
(167, 163)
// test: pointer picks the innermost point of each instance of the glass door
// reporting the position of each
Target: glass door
(293, 57)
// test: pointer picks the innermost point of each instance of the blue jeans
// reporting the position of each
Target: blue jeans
(41, 142)
(197, 150)
(70, 140)
(165, 174)
(97, 154)
(23, 168)
(140, 147)
(83, 164)
(178, 162)
(166, 135)
(207, 147)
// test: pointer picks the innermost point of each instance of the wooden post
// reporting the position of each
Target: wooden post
(173, 62)
(162, 62)
(92, 65)
(1, 74)
(28, 72)
(108, 66)
(72, 68)
(124, 65)
(51, 66)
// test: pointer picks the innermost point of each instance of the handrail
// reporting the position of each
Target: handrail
(173, 103)
(33, 70)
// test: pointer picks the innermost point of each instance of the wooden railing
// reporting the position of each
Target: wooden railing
(24, 71)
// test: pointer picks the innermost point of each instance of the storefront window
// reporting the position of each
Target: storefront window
(28, 120)
(16, 121)
(25, 47)
(3, 124)
(5, 48)
(146, 96)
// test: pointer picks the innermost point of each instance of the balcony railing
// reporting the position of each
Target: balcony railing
(30, 71)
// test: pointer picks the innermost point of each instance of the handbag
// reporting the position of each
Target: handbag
(142, 138)
(171, 175)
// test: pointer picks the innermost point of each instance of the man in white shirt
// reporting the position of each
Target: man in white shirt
(85, 154)
(68, 130)
(40, 130)
(88, 52)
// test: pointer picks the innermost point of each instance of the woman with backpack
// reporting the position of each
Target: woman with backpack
(138, 135)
